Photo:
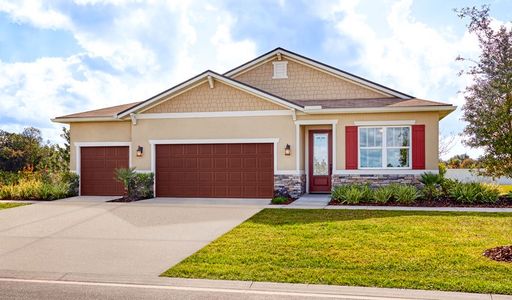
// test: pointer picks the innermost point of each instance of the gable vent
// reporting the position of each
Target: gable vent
(280, 69)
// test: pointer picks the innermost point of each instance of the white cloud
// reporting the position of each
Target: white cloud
(145, 49)
(34, 12)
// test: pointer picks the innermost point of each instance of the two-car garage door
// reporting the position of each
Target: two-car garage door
(197, 170)
(215, 170)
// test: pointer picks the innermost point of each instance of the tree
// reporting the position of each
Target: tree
(488, 108)
(20, 150)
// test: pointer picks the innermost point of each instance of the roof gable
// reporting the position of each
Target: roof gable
(200, 79)
(279, 52)
(304, 82)
(203, 98)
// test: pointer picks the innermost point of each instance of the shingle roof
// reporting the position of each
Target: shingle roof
(102, 112)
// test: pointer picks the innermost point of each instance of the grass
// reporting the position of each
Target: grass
(420, 250)
(5, 205)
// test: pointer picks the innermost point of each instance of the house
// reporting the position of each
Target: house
(280, 120)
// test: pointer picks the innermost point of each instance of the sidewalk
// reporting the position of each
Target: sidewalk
(251, 287)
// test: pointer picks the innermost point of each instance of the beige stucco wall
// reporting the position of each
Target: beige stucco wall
(281, 127)
(305, 83)
(97, 132)
(429, 119)
(221, 98)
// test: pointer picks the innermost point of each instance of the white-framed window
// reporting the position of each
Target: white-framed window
(385, 147)
(280, 69)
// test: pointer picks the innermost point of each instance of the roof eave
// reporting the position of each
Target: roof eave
(447, 109)
(65, 120)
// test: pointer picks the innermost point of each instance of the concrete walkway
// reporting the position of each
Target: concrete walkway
(311, 201)
(76, 236)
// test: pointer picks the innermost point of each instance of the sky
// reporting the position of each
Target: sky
(59, 57)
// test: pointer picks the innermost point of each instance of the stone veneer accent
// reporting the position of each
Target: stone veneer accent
(375, 180)
(295, 184)
(221, 98)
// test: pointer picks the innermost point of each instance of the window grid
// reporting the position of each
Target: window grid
(384, 147)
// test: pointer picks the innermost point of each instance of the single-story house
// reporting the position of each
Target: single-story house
(279, 120)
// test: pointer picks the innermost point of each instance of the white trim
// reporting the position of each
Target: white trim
(216, 141)
(215, 114)
(383, 148)
(297, 147)
(274, 141)
(79, 145)
(321, 67)
(316, 122)
(94, 119)
(203, 77)
(333, 148)
(382, 172)
(142, 171)
(312, 107)
(364, 110)
(384, 123)
(283, 64)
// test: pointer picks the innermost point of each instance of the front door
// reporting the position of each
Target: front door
(320, 161)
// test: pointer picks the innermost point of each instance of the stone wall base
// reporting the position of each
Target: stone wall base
(294, 184)
(375, 180)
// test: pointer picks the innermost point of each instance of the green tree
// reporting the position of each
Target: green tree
(488, 107)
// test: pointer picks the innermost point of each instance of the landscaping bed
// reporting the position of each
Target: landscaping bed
(395, 249)
(502, 202)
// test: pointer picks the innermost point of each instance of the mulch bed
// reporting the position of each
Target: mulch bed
(125, 199)
(502, 253)
(503, 202)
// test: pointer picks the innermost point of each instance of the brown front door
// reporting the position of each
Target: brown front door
(97, 167)
(320, 161)
(215, 170)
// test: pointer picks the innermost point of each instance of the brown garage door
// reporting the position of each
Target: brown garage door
(97, 165)
(215, 170)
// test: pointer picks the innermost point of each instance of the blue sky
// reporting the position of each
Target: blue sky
(59, 57)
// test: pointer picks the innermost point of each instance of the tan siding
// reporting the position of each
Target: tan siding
(430, 119)
(305, 83)
(97, 132)
(281, 127)
(221, 98)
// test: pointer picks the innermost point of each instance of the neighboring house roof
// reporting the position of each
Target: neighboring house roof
(397, 102)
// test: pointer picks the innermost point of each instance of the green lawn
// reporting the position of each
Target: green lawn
(5, 205)
(421, 250)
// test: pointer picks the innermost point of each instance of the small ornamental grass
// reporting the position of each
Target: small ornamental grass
(351, 193)
(475, 193)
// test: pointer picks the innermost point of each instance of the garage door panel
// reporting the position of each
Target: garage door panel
(215, 170)
(97, 170)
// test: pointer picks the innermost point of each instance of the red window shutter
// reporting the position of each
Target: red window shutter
(351, 147)
(418, 147)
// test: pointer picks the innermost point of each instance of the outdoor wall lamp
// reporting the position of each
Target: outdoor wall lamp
(287, 150)
(140, 150)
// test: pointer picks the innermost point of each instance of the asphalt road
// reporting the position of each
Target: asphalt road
(41, 290)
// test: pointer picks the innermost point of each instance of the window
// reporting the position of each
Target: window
(384, 147)
(280, 69)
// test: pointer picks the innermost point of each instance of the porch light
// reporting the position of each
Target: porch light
(287, 150)
(140, 150)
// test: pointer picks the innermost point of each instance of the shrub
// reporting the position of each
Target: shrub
(383, 194)
(404, 194)
(282, 192)
(351, 193)
(137, 185)
(40, 186)
(431, 185)
(442, 170)
(279, 200)
(475, 193)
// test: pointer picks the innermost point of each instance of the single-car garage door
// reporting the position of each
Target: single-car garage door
(215, 170)
(97, 165)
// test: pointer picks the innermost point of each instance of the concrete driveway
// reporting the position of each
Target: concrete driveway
(88, 237)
